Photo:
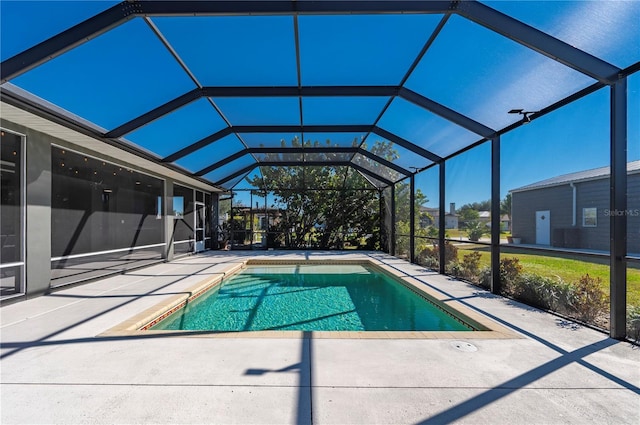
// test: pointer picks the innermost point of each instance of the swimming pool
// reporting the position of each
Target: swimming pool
(312, 297)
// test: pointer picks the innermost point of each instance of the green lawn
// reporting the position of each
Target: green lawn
(456, 233)
(568, 267)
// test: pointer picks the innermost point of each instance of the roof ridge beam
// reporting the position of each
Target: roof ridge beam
(310, 149)
(293, 91)
(248, 151)
(349, 128)
(539, 41)
(264, 129)
(203, 8)
(242, 91)
(301, 164)
(321, 149)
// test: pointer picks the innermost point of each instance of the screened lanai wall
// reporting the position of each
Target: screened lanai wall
(482, 128)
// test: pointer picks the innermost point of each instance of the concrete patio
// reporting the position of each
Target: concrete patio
(57, 368)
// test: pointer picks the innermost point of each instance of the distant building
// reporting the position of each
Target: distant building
(505, 222)
(572, 210)
(450, 218)
(484, 217)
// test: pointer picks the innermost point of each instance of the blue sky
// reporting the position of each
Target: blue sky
(127, 71)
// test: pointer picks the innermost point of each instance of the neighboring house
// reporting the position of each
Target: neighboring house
(505, 223)
(484, 217)
(572, 210)
(450, 218)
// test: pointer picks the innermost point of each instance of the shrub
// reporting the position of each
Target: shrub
(454, 268)
(543, 292)
(471, 266)
(450, 252)
(475, 230)
(484, 277)
(633, 322)
(510, 270)
(424, 259)
(430, 256)
(587, 299)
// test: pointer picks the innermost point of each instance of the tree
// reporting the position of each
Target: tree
(478, 206)
(467, 215)
(475, 230)
(403, 213)
(325, 205)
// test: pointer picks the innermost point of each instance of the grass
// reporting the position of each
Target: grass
(456, 233)
(568, 267)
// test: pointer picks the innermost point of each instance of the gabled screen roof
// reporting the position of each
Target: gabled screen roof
(221, 90)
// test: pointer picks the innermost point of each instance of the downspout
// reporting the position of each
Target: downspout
(574, 204)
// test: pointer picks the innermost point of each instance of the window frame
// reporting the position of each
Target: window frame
(588, 216)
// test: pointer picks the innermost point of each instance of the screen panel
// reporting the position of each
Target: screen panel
(101, 94)
(229, 49)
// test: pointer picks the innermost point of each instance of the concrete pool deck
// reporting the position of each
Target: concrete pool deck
(57, 366)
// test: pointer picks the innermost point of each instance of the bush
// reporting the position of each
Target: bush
(510, 270)
(484, 277)
(543, 292)
(430, 256)
(471, 265)
(633, 322)
(454, 268)
(584, 300)
(588, 300)
(475, 230)
(426, 260)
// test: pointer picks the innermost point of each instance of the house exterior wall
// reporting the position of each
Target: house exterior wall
(559, 201)
(40, 215)
(633, 214)
(593, 194)
(450, 222)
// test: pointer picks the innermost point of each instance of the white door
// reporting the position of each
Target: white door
(199, 227)
(543, 227)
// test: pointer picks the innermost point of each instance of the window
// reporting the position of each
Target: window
(178, 207)
(589, 217)
(102, 214)
(11, 214)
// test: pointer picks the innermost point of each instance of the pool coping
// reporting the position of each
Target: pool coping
(139, 325)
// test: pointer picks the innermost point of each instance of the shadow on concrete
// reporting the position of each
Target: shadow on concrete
(461, 410)
(19, 346)
(304, 411)
(480, 401)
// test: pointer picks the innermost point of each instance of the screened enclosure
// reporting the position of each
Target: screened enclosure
(497, 141)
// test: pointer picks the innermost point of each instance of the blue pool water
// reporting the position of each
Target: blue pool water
(311, 298)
